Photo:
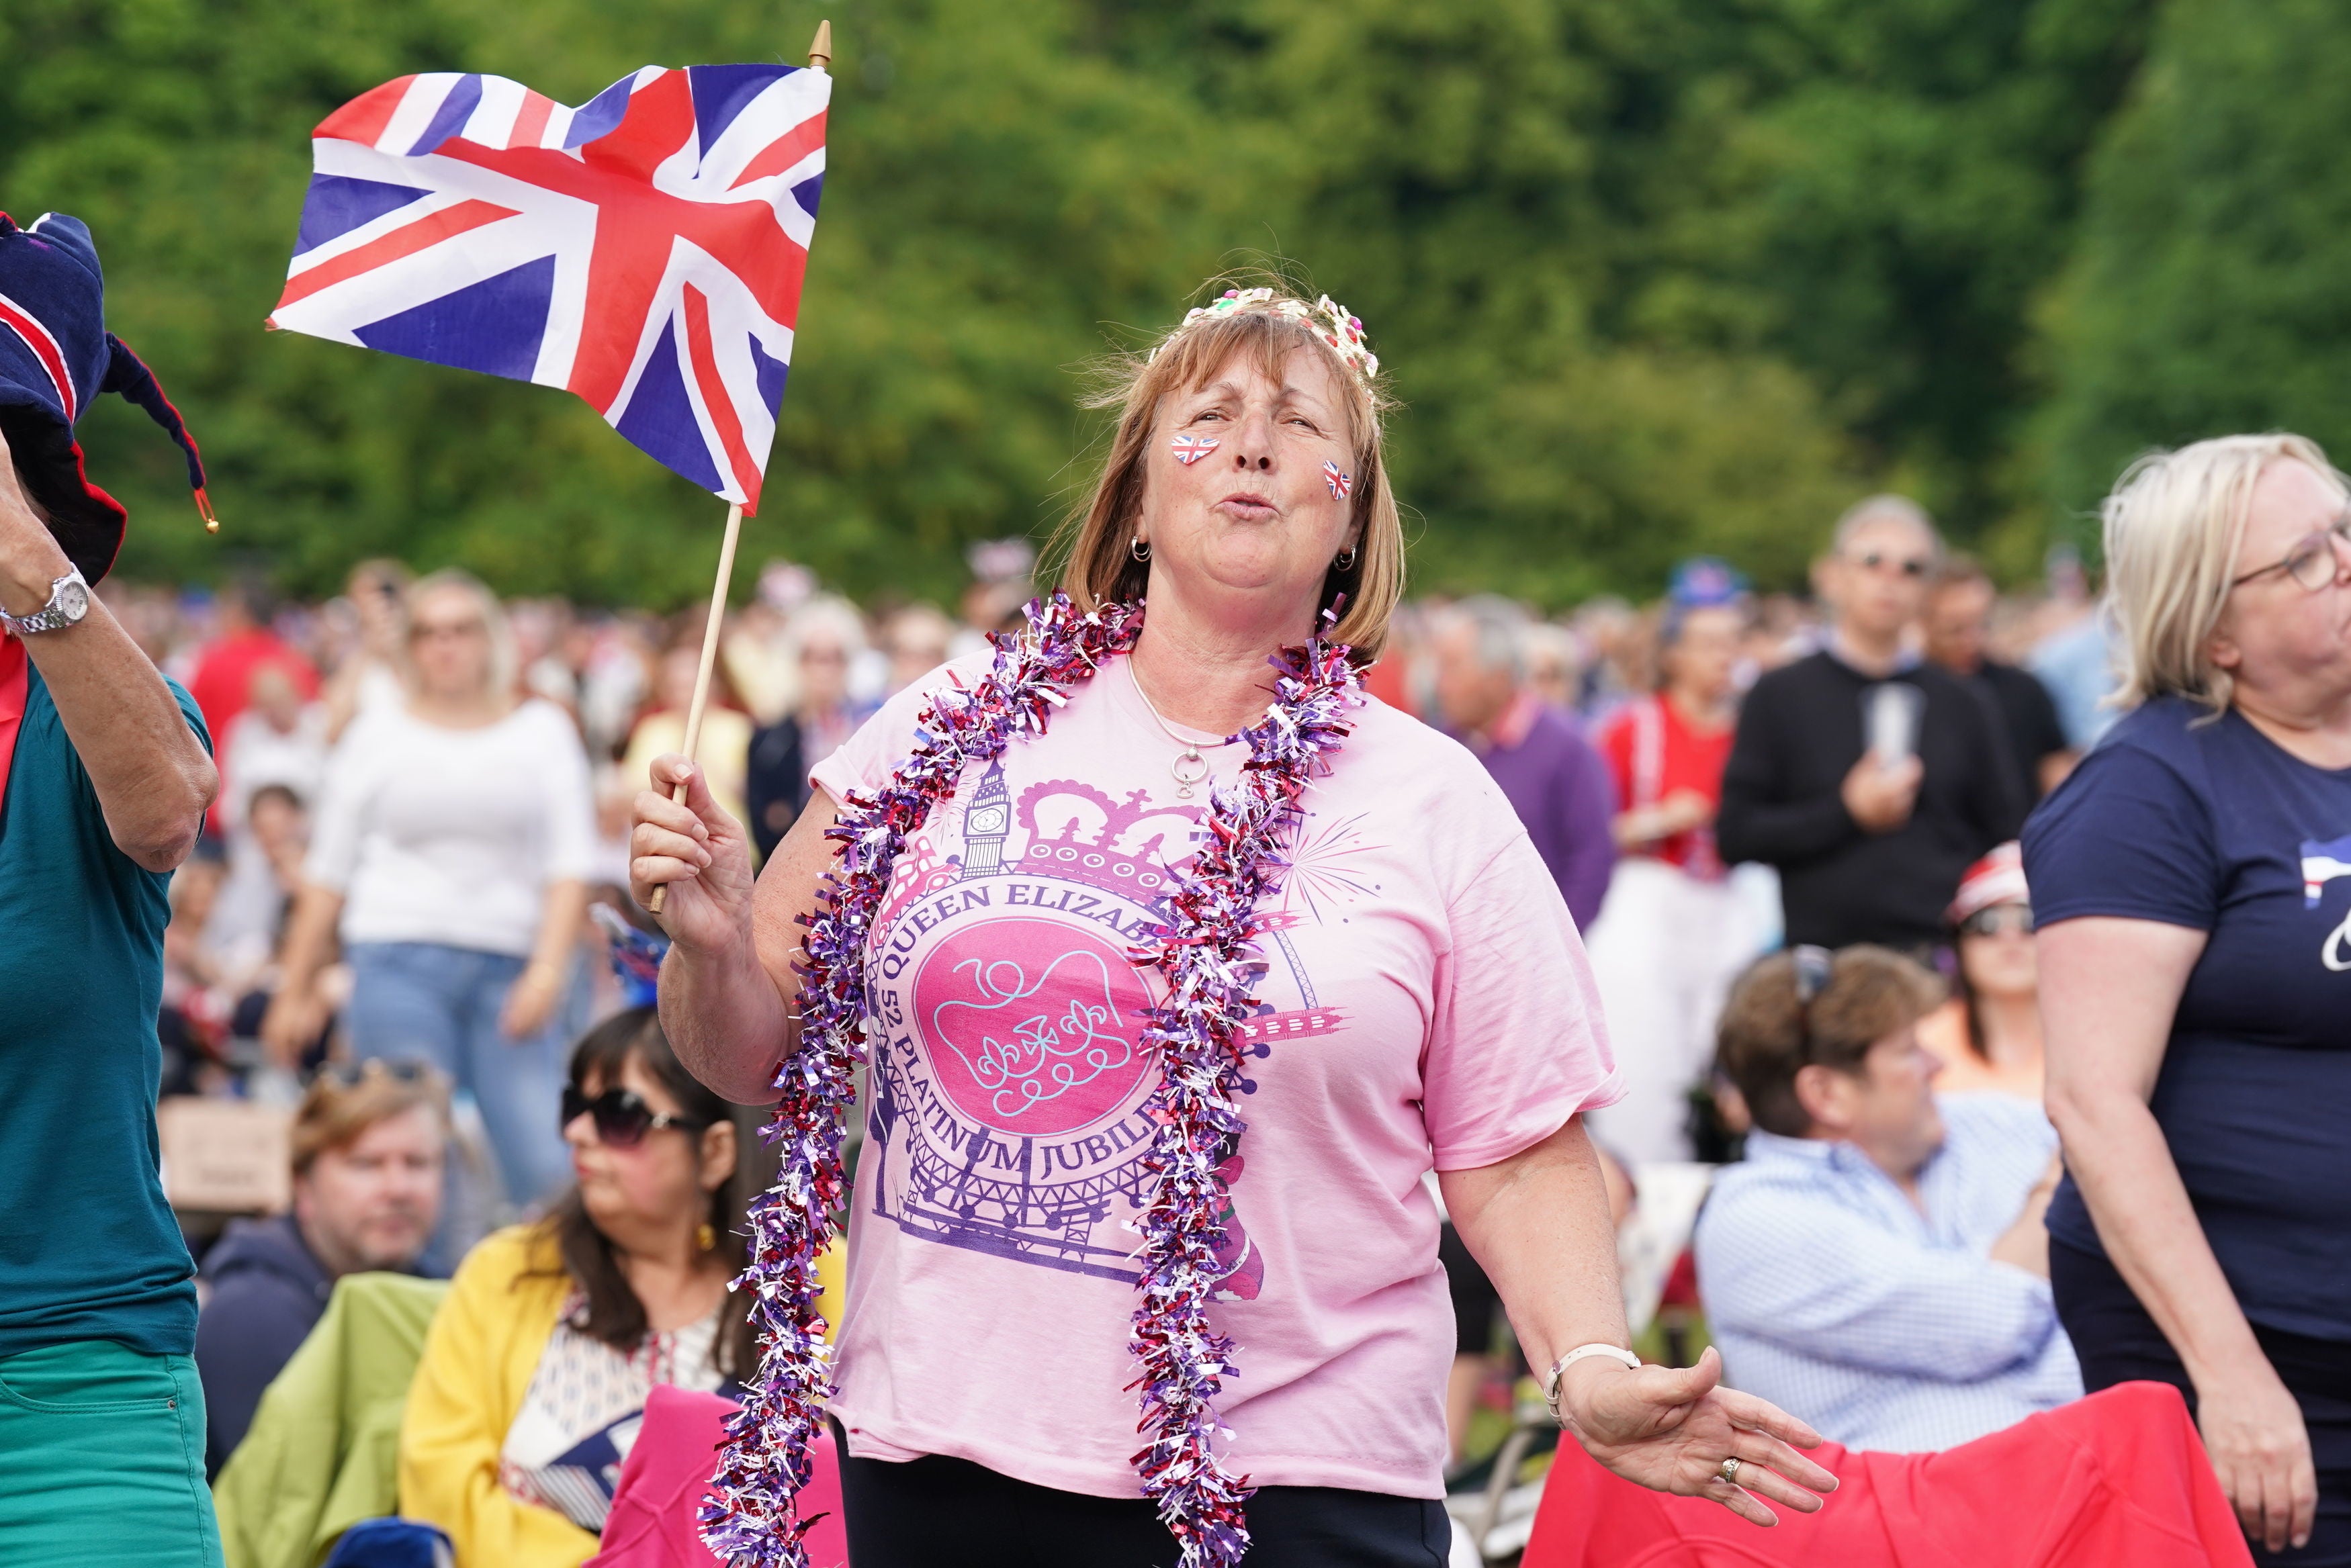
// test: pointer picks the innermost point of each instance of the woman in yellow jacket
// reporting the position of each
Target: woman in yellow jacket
(536, 1369)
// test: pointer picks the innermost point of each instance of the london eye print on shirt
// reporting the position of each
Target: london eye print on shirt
(1009, 1074)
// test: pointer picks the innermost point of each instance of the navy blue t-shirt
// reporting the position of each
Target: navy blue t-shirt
(2214, 827)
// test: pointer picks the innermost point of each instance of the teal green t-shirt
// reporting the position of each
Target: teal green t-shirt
(88, 1249)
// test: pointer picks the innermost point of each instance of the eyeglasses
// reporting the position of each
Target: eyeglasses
(623, 1118)
(1999, 917)
(1878, 561)
(425, 630)
(2314, 563)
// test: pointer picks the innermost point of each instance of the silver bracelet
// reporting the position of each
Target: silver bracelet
(1559, 1370)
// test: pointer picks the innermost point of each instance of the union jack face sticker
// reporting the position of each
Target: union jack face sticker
(1340, 484)
(1190, 449)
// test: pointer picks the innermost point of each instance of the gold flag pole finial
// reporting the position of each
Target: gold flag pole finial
(821, 51)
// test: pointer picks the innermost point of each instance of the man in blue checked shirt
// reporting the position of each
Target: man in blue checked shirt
(1877, 1264)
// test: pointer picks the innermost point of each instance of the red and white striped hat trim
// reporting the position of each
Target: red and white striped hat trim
(27, 326)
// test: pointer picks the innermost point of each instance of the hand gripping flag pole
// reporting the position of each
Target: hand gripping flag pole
(819, 59)
(645, 251)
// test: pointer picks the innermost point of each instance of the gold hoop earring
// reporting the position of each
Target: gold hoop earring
(1344, 561)
(1140, 549)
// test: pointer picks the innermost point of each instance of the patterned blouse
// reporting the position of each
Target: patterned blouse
(580, 1415)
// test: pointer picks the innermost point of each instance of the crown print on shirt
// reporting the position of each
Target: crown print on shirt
(1010, 1070)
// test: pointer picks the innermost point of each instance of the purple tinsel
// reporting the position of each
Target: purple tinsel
(1206, 957)
(1207, 954)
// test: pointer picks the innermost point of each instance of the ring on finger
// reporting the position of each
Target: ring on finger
(1728, 1473)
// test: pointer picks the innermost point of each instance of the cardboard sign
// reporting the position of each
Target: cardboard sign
(224, 1156)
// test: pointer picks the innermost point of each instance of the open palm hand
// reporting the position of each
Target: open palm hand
(1671, 1430)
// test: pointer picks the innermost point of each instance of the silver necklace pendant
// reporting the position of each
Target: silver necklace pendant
(1189, 768)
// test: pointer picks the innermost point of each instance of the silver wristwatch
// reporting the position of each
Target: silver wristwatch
(68, 602)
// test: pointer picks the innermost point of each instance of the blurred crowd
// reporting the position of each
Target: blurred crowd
(408, 921)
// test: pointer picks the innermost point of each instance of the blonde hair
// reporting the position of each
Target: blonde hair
(1099, 567)
(2174, 525)
(499, 679)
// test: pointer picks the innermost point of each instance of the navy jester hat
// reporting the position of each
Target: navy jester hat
(55, 358)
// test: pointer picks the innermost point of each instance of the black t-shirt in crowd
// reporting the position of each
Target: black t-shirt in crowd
(2213, 826)
(1800, 733)
(2029, 716)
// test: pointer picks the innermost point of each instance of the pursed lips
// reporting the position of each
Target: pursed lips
(1247, 503)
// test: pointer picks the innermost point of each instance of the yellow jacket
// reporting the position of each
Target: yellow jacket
(484, 1346)
(480, 1357)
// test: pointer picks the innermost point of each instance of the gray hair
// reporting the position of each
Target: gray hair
(1886, 508)
(1499, 631)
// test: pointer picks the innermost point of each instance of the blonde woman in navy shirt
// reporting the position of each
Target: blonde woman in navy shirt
(2192, 882)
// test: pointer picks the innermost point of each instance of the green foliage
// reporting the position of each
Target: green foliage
(2209, 294)
(1650, 275)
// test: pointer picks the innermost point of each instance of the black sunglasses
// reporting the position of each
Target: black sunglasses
(623, 1118)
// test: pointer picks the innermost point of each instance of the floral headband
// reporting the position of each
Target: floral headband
(1329, 318)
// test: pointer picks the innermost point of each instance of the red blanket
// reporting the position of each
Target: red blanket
(2119, 1477)
(652, 1524)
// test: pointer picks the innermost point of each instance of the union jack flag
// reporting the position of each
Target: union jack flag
(1340, 484)
(1191, 448)
(644, 250)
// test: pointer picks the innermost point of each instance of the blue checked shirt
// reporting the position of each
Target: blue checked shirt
(1831, 1295)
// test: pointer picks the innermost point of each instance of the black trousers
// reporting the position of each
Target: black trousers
(2117, 1342)
(938, 1512)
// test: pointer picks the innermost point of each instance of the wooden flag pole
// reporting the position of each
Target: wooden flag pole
(820, 58)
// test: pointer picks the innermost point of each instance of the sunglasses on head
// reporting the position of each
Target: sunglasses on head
(352, 1075)
(1815, 968)
(621, 1116)
(1999, 917)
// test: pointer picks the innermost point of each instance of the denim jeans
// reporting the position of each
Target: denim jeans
(424, 1001)
(103, 1459)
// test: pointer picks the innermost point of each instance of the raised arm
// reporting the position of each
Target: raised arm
(2108, 989)
(729, 985)
(152, 775)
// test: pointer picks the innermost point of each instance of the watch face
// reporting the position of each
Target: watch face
(73, 600)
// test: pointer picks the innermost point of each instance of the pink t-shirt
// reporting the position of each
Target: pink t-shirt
(1427, 1005)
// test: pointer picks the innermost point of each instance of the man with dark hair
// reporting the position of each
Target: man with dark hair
(1877, 1264)
(104, 776)
(1959, 629)
(367, 1151)
(1868, 777)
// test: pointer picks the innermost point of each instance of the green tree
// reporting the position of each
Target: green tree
(2209, 296)
(1652, 275)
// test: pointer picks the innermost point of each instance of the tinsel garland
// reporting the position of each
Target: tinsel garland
(1205, 955)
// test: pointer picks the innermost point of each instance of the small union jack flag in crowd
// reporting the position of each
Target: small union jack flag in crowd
(645, 251)
(1340, 484)
(1191, 448)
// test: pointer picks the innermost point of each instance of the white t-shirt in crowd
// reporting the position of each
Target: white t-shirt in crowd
(436, 834)
(1426, 1004)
